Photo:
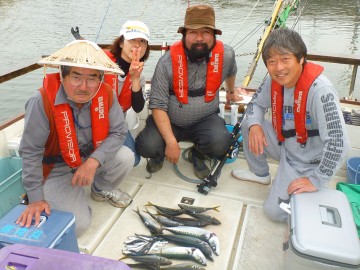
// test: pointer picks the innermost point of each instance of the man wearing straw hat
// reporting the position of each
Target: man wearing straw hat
(73, 137)
(184, 95)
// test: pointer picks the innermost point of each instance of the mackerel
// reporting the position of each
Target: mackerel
(151, 224)
(190, 242)
(197, 209)
(166, 210)
(200, 233)
(182, 253)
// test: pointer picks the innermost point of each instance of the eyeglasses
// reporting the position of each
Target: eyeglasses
(78, 80)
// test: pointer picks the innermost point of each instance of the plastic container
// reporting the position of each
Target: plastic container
(322, 232)
(11, 187)
(54, 231)
(353, 170)
(23, 257)
(235, 153)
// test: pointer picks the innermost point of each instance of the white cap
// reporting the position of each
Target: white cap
(135, 29)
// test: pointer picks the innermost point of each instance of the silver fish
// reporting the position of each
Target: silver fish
(144, 245)
(200, 233)
(164, 220)
(197, 209)
(151, 224)
(150, 266)
(165, 210)
(183, 253)
(182, 266)
(149, 258)
(190, 242)
(209, 219)
(188, 221)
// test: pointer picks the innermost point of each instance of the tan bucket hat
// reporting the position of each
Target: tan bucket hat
(199, 16)
(82, 53)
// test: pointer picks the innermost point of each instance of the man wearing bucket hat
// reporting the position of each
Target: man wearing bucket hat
(73, 137)
(307, 134)
(184, 95)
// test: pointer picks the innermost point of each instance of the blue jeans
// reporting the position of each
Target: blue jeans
(130, 143)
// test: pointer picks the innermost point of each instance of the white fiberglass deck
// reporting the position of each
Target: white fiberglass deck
(248, 240)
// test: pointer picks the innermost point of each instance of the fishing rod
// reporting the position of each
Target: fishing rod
(276, 21)
(97, 36)
(256, 58)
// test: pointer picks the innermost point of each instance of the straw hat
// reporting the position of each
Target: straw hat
(199, 16)
(84, 54)
(135, 29)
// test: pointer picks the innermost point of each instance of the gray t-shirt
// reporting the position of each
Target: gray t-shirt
(197, 108)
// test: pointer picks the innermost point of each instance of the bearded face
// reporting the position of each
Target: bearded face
(198, 51)
(198, 43)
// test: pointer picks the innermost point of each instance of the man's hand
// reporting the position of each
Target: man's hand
(172, 152)
(84, 175)
(234, 95)
(34, 209)
(300, 185)
(257, 140)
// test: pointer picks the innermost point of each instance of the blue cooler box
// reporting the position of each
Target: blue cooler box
(54, 231)
(23, 257)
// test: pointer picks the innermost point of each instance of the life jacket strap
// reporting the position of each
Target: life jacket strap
(85, 152)
(192, 93)
(292, 133)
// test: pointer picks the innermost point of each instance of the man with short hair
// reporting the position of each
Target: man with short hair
(73, 137)
(307, 134)
(185, 96)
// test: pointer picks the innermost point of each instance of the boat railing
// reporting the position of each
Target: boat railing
(352, 60)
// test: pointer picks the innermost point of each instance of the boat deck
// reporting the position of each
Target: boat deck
(248, 240)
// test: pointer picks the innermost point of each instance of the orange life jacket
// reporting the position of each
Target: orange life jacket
(62, 137)
(310, 72)
(124, 97)
(180, 71)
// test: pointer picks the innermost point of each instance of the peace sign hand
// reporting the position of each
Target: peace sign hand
(136, 66)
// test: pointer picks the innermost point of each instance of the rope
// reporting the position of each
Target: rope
(97, 36)
(248, 36)
(142, 13)
(240, 27)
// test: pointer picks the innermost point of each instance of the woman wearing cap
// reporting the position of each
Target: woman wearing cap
(130, 50)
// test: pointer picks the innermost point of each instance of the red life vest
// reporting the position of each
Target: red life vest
(310, 72)
(180, 71)
(124, 97)
(62, 137)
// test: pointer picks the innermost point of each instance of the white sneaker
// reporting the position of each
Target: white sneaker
(247, 175)
(115, 197)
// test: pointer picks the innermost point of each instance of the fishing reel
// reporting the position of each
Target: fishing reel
(206, 185)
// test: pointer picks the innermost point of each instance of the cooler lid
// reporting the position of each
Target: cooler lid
(322, 226)
(45, 235)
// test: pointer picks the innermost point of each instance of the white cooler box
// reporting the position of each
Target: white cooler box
(322, 232)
